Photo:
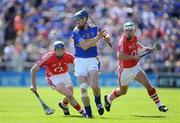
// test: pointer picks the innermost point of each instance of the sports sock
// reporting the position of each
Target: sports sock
(77, 107)
(97, 99)
(112, 96)
(64, 103)
(152, 93)
(88, 110)
(81, 111)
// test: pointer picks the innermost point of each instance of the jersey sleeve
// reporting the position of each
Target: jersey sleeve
(43, 60)
(120, 46)
(70, 58)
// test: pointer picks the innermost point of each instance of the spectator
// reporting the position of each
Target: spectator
(36, 20)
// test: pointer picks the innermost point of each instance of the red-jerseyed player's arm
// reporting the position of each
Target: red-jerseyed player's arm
(33, 71)
(36, 67)
(70, 58)
(142, 47)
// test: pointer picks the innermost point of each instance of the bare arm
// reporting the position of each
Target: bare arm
(34, 69)
(140, 46)
(86, 44)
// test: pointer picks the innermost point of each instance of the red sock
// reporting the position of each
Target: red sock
(152, 93)
(113, 95)
(77, 107)
(64, 103)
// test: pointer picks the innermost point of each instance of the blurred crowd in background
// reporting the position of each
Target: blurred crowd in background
(28, 28)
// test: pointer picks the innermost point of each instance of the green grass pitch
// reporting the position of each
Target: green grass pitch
(19, 105)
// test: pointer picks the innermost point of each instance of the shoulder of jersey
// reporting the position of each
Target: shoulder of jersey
(136, 37)
(76, 30)
(92, 25)
(48, 54)
(68, 54)
(122, 38)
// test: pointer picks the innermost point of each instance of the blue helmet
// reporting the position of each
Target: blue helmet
(80, 15)
(58, 45)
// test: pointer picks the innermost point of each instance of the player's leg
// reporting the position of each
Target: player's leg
(80, 111)
(69, 95)
(83, 81)
(64, 103)
(64, 106)
(123, 75)
(53, 81)
(81, 71)
(113, 95)
(142, 78)
(94, 80)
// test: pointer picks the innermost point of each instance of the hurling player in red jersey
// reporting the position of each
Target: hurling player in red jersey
(56, 64)
(129, 69)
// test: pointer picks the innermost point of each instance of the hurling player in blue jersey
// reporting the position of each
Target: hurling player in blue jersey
(85, 38)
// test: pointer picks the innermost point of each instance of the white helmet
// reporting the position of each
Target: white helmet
(129, 25)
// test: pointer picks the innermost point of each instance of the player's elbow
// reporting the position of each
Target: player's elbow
(84, 47)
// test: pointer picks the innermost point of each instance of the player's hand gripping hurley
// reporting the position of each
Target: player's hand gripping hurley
(156, 47)
(100, 30)
(48, 111)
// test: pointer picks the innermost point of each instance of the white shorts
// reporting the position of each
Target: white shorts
(127, 75)
(84, 65)
(60, 78)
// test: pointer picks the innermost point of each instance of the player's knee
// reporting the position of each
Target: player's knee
(95, 87)
(84, 87)
(83, 95)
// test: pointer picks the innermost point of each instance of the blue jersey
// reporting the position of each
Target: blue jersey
(81, 35)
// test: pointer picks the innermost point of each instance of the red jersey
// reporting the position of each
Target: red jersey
(128, 47)
(55, 65)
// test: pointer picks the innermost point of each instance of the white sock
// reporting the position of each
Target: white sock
(63, 105)
(81, 111)
(108, 99)
(158, 104)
